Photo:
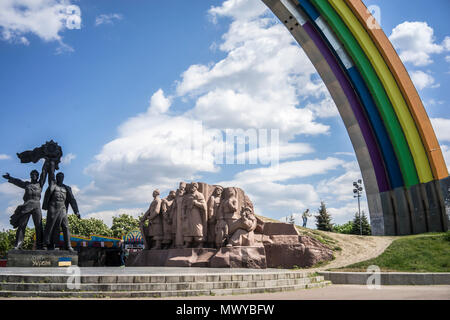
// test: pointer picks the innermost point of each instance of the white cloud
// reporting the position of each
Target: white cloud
(415, 42)
(67, 159)
(219, 109)
(270, 190)
(339, 215)
(337, 191)
(423, 80)
(43, 18)
(325, 108)
(238, 10)
(289, 170)
(4, 157)
(11, 190)
(340, 188)
(442, 128)
(275, 199)
(284, 151)
(144, 157)
(159, 103)
(107, 18)
(264, 81)
(350, 154)
(446, 152)
(108, 215)
(446, 43)
(4, 226)
(264, 73)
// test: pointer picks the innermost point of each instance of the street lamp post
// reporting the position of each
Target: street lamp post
(357, 191)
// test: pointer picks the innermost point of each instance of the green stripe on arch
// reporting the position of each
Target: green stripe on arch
(385, 107)
(390, 85)
(396, 66)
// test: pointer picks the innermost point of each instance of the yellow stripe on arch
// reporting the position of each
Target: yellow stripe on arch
(390, 85)
(406, 85)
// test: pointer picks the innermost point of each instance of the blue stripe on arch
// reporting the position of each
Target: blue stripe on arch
(391, 162)
(310, 10)
(371, 110)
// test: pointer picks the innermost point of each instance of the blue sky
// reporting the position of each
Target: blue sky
(118, 85)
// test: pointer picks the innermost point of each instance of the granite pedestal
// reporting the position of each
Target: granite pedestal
(229, 257)
(42, 258)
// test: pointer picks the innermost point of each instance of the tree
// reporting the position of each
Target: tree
(123, 224)
(88, 227)
(345, 228)
(365, 226)
(323, 219)
(7, 238)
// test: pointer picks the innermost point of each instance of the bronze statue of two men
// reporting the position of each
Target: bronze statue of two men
(57, 199)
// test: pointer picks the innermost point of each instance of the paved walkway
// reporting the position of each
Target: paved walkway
(334, 292)
(346, 292)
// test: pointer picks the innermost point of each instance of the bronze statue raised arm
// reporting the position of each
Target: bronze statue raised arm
(57, 199)
(30, 207)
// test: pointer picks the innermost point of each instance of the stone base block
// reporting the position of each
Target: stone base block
(147, 258)
(189, 257)
(287, 252)
(42, 258)
(278, 228)
(280, 255)
(233, 257)
(239, 257)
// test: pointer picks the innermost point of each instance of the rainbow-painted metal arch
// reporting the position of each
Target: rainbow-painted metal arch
(406, 178)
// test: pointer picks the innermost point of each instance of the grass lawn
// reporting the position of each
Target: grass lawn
(428, 252)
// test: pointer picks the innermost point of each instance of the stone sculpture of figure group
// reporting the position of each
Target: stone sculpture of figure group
(185, 219)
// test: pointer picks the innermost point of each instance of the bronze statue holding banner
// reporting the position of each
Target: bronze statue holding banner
(57, 199)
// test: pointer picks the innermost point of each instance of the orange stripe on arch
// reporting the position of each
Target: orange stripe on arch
(406, 86)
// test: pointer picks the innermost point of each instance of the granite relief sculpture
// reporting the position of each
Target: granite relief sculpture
(202, 225)
(184, 219)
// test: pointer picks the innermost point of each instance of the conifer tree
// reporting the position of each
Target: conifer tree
(365, 226)
(323, 219)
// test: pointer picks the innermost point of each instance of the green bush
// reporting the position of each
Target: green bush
(88, 227)
(345, 228)
(123, 224)
(6, 241)
(447, 236)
